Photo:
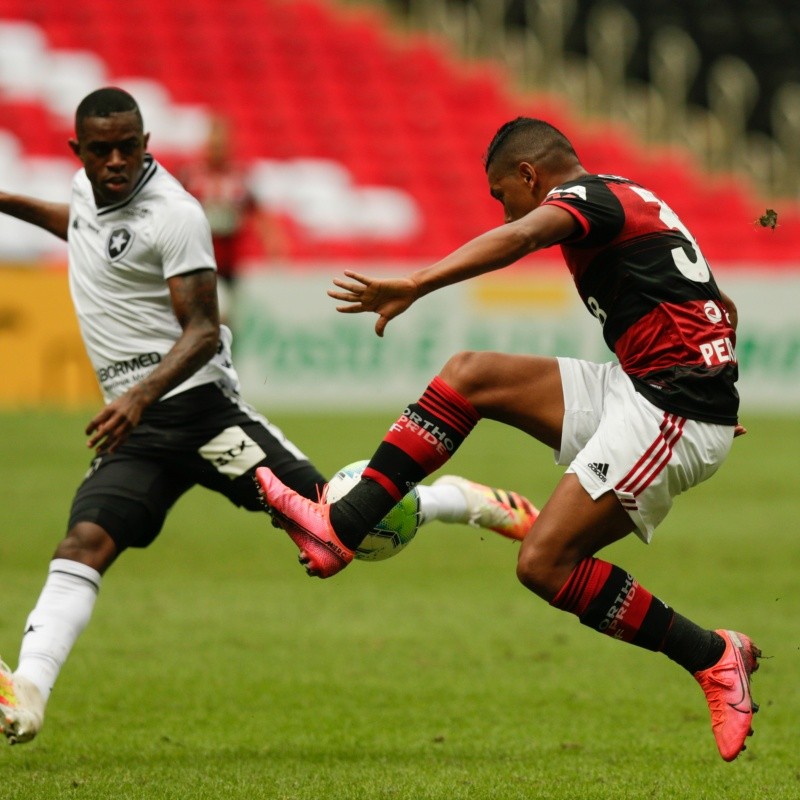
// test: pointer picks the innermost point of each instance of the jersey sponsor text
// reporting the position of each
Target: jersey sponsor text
(719, 351)
(135, 364)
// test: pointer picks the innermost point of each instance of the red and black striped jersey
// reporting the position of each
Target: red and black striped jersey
(640, 272)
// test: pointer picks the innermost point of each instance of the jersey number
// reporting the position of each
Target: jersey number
(694, 270)
(594, 307)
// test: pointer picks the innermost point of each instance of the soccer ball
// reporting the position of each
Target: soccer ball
(393, 532)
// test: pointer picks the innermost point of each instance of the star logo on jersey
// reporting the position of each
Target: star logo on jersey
(119, 242)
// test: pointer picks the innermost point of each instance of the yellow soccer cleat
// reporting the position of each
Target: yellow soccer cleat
(507, 513)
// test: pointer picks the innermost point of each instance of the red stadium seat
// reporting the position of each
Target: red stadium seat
(307, 79)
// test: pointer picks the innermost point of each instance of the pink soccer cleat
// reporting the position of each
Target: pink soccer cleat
(727, 689)
(308, 525)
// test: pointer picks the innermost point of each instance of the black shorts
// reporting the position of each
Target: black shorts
(200, 436)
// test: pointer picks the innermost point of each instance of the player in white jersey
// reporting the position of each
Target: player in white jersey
(122, 257)
(143, 282)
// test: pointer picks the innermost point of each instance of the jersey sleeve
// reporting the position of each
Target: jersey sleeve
(596, 209)
(184, 239)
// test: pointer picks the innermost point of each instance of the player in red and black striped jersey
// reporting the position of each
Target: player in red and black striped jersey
(633, 433)
(640, 272)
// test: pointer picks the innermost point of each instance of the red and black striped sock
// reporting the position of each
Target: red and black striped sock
(612, 601)
(691, 646)
(421, 441)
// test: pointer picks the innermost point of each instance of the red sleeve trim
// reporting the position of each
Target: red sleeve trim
(579, 218)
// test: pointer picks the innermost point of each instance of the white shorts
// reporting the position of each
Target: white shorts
(614, 439)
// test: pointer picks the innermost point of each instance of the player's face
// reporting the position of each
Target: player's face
(514, 189)
(112, 150)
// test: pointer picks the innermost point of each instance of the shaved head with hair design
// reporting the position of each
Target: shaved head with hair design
(528, 139)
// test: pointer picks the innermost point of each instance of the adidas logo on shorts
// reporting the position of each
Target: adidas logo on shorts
(601, 470)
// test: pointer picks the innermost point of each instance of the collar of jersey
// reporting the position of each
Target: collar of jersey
(150, 167)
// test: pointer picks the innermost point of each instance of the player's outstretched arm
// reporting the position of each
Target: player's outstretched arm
(495, 249)
(52, 217)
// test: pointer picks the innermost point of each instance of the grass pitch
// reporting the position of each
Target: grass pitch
(214, 668)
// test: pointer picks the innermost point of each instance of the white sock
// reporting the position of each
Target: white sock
(444, 503)
(61, 613)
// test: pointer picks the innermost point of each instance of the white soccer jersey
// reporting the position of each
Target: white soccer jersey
(120, 258)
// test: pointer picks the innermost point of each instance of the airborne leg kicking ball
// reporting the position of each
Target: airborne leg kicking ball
(393, 532)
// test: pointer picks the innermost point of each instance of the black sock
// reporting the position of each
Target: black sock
(363, 507)
(691, 646)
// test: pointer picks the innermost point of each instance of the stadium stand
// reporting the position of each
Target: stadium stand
(365, 138)
(721, 77)
(763, 33)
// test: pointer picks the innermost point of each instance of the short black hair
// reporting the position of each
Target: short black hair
(105, 102)
(526, 138)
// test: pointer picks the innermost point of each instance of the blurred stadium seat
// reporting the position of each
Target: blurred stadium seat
(400, 119)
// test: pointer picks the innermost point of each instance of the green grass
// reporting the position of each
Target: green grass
(214, 668)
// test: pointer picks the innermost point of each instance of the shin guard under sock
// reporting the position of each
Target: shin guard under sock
(611, 601)
(691, 646)
(419, 443)
(63, 610)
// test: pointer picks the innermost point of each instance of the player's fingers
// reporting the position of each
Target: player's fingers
(349, 297)
(99, 428)
(357, 276)
(99, 441)
(113, 443)
(94, 424)
(100, 420)
(110, 434)
(355, 308)
(352, 288)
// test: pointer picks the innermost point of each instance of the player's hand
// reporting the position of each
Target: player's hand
(111, 427)
(386, 297)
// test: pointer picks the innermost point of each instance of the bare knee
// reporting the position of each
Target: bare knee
(88, 544)
(467, 373)
(543, 570)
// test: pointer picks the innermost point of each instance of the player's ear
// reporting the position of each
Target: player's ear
(528, 174)
(75, 146)
(146, 140)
